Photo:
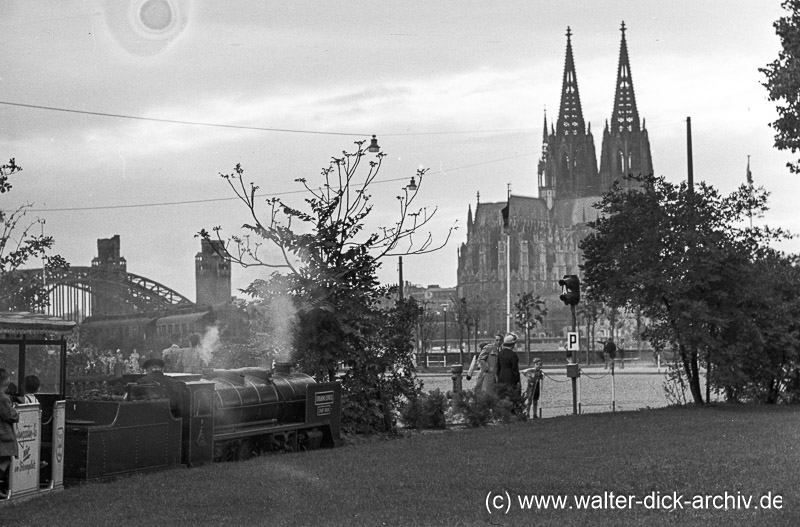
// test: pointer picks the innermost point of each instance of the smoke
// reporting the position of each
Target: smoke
(209, 343)
(281, 315)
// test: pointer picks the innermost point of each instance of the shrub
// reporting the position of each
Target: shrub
(474, 407)
(480, 409)
(426, 410)
(503, 411)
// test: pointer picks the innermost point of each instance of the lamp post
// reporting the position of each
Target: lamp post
(412, 186)
(444, 306)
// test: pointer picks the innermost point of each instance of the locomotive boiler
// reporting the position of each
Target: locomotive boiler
(217, 416)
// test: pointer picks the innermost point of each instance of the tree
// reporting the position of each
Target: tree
(18, 245)
(328, 261)
(760, 359)
(531, 310)
(591, 309)
(783, 82)
(678, 258)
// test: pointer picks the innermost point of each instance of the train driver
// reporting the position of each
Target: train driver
(154, 374)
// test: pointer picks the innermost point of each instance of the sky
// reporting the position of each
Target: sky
(458, 87)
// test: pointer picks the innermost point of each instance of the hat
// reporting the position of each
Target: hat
(153, 361)
(511, 338)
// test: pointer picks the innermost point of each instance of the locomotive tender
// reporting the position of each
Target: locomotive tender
(219, 415)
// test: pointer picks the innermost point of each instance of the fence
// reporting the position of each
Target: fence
(550, 357)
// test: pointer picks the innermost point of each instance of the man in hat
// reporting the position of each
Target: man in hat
(154, 374)
(507, 369)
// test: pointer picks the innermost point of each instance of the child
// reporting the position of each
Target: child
(8, 440)
(534, 376)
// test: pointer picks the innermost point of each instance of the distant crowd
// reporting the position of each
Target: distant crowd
(91, 362)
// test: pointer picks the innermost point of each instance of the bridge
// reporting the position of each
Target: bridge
(78, 292)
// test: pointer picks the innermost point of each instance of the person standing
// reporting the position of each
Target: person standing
(489, 367)
(621, 350)
(610, 352)
(508, 379)
(479, 363)
(533, 389)
(8, 439)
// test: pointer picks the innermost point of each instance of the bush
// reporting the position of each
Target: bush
(474, 407)
(503, 411)
(425, 410)
(480, 409)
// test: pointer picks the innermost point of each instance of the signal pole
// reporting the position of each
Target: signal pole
(571, 296)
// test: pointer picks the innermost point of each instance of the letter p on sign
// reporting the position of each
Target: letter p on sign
(572, 341)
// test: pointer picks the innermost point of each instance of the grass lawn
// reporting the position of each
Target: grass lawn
(443, 478)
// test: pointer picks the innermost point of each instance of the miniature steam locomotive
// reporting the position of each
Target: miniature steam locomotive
(219, 415)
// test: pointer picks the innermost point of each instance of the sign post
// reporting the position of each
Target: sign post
(573, 369)
(573, 345)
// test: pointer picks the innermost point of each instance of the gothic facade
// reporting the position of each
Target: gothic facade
(541, 234)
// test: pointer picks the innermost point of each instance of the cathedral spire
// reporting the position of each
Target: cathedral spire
(570, 119)
(625, 117)
(626, 146)
(544, 128)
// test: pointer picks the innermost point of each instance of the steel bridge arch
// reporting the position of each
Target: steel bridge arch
(126, 292)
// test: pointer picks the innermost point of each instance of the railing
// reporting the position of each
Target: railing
(549, 358)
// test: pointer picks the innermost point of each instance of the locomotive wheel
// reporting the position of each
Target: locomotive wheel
(244, 451)
(225, 452)
(291, 441)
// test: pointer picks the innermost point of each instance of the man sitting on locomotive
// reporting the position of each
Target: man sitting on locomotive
(154, 374)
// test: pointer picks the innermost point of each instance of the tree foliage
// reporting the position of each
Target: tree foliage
(19, 245)
(783, 82)
(530, 310)
(688, 262)
(327, 264)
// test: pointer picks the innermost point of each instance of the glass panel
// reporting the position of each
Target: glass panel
(9, 359)
(43, 361)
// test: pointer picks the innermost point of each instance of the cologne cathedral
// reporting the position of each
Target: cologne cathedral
(543, 233)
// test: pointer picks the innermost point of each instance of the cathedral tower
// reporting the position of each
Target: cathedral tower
(569, 163)
(626, 146)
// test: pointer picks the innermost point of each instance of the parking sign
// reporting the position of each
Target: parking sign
(572, 341)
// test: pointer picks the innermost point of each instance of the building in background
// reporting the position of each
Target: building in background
(544, 232)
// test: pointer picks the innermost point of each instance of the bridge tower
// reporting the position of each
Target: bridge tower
(112, 268)
(212, 274)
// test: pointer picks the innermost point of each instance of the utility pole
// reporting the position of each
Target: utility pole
(445, 331)
(400, 269)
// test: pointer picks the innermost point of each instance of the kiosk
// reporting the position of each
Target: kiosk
(35, 344)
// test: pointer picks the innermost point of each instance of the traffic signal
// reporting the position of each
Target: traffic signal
(570, 290)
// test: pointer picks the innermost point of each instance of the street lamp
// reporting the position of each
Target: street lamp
(412, 186)
(373, 145)
(444, 306)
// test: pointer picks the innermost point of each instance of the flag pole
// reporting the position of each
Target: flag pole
(508, 264)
